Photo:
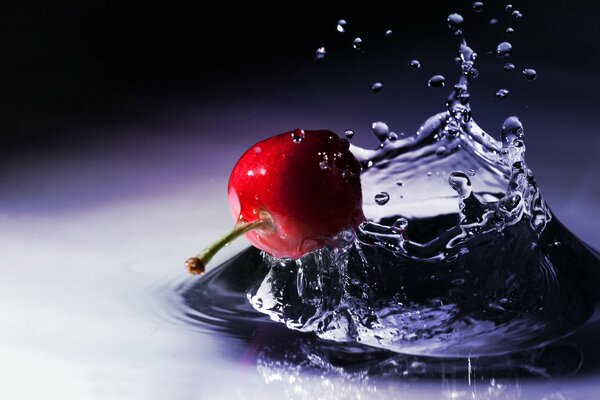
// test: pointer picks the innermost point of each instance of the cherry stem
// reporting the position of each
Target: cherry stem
(196, 265)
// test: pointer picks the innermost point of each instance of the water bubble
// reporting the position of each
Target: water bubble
(357, 44)
(478, 6)
(502, 93)
(509, 67)
(388, 33)
(376, 87)
(416, 64)
(400, 183)
(509, 7)
(503, 49)
(381, 130)
(298, 135)
(493, 21)
(440, 151)
(341, 25)
(382, 198)
(517, 14)
(472, 172)
(460, 182)
(392, 137)
(455, 20)
(436, 81)
(510, 31)
(512, 129)
(399, 225)
(530, 74)
(349, 133)
(320, 53)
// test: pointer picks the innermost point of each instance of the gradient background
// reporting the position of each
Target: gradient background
(120, 122)
(80, 79)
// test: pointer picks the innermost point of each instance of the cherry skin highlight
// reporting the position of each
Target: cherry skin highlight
(306, 183)
(292, 194)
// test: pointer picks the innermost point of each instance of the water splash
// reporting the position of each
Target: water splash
(464, 264)
(469, 270)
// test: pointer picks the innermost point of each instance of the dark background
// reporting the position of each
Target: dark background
(68, 65)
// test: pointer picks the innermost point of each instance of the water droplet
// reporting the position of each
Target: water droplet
(503, 49)
(530, 74)
(510, 31)
(502, 93)
(381, 130)
(320, 53)
(392, 137)
(382, 198)
(357, 44)
(460, 182)
(376, 87)
(400, 183)
(298, 135)
(440, 151)
(437, 81)
(493, 21)
(512, 129)
(455, 20)
(399, 225)
(478, 6)
(349, 133)
(429, 173)
(509, 7)
(416, 64)
(323, 164)
(341, 25)
(472, 172)
(509, 67)
(517, 14)
(388, 33)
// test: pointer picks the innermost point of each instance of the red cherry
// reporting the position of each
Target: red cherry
(291, 194)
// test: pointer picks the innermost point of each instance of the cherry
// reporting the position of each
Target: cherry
(292, 194)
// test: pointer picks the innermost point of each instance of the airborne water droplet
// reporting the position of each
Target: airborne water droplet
(517, 14)
(503, 49)
(510, 31)
(509, 67)
(357, 44)
(416, 64)
(455, 20)
(436, 81)
(376, 87)
(388, 33)
(509, 7)
(320, 53)
(399, 225)
(393, 136)
(512, 129)
(530, 74)
(493, 21)
(382, 198)
(502, 93)
(478, 6)
(341, 25)
(349, 133)
(298, 135)
(381, 130)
